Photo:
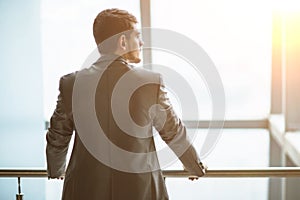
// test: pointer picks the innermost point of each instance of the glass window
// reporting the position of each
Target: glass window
(237, 37)
(237, 148)
(21, 116)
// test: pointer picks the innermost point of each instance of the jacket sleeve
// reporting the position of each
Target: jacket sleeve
(173, 132)
(58, 138)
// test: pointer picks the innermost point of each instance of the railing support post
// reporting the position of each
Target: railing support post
(19, 196)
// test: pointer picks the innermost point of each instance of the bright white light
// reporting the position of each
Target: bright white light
(286, 6)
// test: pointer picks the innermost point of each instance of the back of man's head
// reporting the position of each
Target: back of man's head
(108, 23)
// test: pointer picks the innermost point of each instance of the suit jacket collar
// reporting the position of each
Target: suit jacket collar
(111, 58)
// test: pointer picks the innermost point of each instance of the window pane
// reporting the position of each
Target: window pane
(237, 37)
(237, 148)
(21, 116)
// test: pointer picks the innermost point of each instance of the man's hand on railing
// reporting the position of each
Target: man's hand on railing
(60, 177)
(195, 177)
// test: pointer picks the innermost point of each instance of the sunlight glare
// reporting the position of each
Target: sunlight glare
(286, 6)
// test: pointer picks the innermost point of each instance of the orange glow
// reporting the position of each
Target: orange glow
(292, 26)
(292, 40)
(277, 31)
(286, 15)
(286, 33)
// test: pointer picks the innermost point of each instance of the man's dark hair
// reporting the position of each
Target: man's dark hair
(111, 22)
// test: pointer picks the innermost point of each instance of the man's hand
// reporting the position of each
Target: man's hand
(193, 178)
(60, 177)
(203, 167)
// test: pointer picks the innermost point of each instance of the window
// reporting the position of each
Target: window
(237, 37)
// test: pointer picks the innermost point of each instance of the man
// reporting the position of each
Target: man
(115, 157)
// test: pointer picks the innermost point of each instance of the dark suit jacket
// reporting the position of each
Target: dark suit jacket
(148, 106)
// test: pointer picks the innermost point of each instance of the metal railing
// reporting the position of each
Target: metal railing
(240, 124)
(211, 173)
(239, 173)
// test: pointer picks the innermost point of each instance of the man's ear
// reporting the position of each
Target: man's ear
(122, 42)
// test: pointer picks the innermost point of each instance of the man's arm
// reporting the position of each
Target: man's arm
(173, 132)
(58, 138)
